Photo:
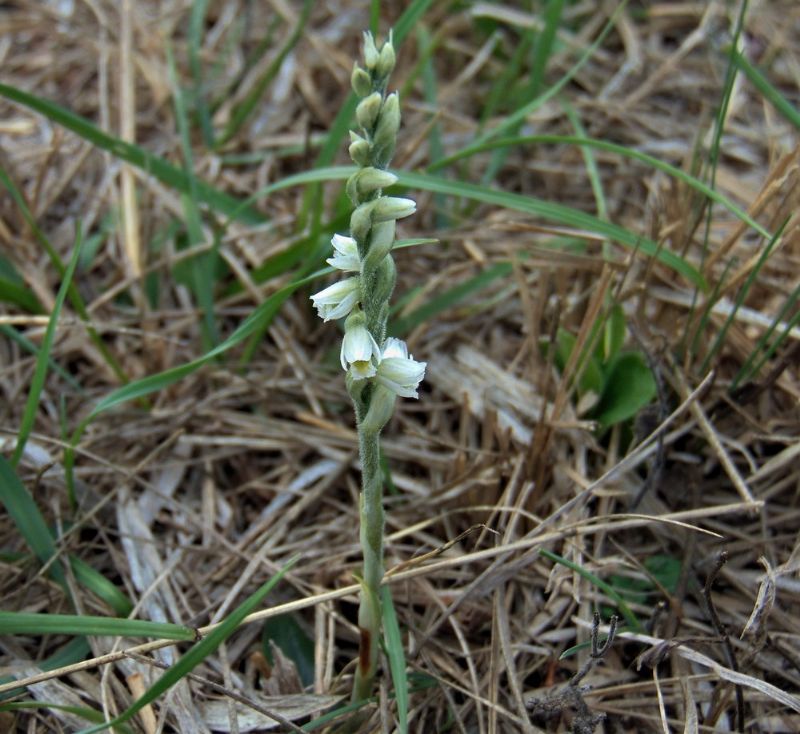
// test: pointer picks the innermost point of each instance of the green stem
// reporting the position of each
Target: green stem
(371, 534)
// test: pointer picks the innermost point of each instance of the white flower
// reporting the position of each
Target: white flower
(345, 255)
(359, 352)
(337, 300)
(398, 371)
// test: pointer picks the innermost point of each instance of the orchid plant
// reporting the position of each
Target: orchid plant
(378, 369)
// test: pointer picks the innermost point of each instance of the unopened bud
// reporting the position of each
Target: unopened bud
(361, 222)
(359, 149)
(360, 81)
(386, 59)
(392, 207)
(386, 130)
(385, 279)
(368, 110)
(364, 182)
(381, 239)
(371, 55)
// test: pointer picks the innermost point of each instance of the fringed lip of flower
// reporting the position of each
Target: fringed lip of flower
(398, 371)
(337, 300)
(345, 256)
(360, 352)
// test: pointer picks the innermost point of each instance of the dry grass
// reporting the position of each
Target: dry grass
(190, 504)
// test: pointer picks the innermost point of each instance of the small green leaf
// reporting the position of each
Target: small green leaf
(629, 386)
(285, 631)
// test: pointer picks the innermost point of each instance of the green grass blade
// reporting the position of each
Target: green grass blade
(449, 298)
(101, 587)
(612, 593)
(748, 369)
(84, 712)
(760, 82)
(660, 165)
(517, 202)
(543, 50)
(74, 296)
(43, 360)
(21, 623)
(165, 172)
(195, 41)
(26, 344)
(397, 658)
(74, 651)
(198, 652)
(13, 288)
(513, 120)
(154, 383)
(28, 520)
(202, 266)
(741, 295)
(243, 111)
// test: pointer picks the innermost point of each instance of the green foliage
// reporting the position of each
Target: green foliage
(663, 572)
(288, 634)
(621, 381)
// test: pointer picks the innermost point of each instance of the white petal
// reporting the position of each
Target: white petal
(337, 300)
(394, 347)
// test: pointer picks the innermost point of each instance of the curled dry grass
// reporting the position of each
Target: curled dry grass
(193, 502)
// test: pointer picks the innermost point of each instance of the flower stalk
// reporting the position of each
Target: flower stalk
(378, 369)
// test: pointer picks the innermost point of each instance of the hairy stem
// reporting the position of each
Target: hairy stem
(371, 534)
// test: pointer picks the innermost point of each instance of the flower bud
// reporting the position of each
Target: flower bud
(360, 81)
(359, 149)
(385, 279)
(364, 182)
(371, 55)
(392, 207)
(368, 110)
(386, 129)
(381, 407)
(361, 222)
(386, 59)
(381, 239)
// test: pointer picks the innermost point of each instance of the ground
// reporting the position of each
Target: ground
(601, 275)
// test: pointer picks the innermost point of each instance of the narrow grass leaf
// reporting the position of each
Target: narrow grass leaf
(741, 295)
(449, 298)
(243, 111)
(11, 333)
(513, 120)
(197, 20)
(28, 520)
(397, 658)
(198, 652)
(94, 582)
(73, 293)
(202, 266)
(675, 172)
(43, 358)
(767, 90)
(517, 202)
(612, 593)
(22, 623)
(13, 288)
(82, 711)
(543, 50)
(748, 369)
(151, 164)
